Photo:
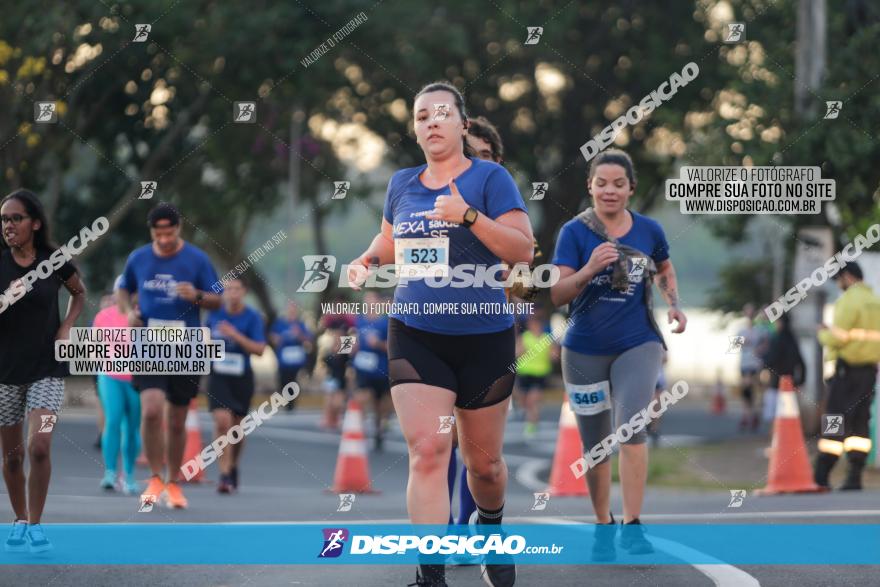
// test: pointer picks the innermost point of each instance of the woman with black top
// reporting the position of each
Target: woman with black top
(783, 358)
(31, 381)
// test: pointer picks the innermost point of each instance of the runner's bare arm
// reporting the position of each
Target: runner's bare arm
(123, 300)
(204, 299)
(250, 346)
(509, 236)
(382, 248)
(126, 306)
(667, 283)
(211, 301)
(571, 283)
(669, 289)
(77, 302)
(380, 345)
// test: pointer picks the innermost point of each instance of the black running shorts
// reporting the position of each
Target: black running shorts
(530, 383)
(179, 389)
(377, 384)
(478, 368)
(231, 392)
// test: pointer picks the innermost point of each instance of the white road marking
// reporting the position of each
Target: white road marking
(525, 519)
(527, 475)
(550, 520)
(719, 572)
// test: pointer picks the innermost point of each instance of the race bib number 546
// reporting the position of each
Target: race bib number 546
(588, 400)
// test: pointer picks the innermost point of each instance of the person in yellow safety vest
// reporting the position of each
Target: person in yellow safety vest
(536, 350)
(854, 342)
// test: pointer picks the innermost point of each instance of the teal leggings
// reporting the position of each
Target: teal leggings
(122, 421)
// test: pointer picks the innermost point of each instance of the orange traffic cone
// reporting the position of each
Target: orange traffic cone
(193, 439)
(568, 450)
(352, 472)
(719, 402)
(790, 470)
(719, 405)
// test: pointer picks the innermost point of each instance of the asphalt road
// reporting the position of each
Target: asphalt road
(288, 465)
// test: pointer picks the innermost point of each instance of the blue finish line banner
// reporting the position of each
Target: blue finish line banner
(396, 544)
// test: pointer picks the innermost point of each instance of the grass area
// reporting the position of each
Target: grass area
(678, 467)
(721, 466)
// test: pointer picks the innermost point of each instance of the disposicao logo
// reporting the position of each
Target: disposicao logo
(334, 540)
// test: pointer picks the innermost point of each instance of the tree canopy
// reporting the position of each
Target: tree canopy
(162, 109)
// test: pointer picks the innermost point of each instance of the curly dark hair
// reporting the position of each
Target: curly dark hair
(483, 129)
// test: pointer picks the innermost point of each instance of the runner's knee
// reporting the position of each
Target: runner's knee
(152, 414)
(640, 437)
(487, 469)
(223, 419)
(38, 449)
(428, 454)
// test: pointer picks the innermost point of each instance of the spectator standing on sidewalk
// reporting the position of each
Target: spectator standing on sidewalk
(783, 357)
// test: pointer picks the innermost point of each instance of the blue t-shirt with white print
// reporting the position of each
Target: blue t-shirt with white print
(249, 322)
(291, 353)
(606, 321)
(489, 188)
(369, 361)
(155, 280)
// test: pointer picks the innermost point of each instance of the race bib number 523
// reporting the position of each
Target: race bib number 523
(422, 257)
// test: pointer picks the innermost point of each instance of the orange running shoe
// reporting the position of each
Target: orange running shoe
(174, 496)
(154, 489)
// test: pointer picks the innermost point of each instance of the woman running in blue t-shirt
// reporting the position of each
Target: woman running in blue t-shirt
(608, 257)
(444, 359)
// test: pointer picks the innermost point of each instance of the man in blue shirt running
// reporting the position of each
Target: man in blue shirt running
(173, 280)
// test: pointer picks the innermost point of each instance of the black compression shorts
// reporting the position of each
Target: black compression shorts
(478, 368)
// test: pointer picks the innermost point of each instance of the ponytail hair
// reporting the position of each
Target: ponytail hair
(614, 157)
(441, 86)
